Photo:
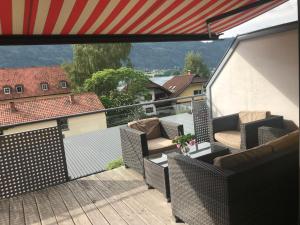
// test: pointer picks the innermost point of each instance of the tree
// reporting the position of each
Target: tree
(195, 64)
(176, 73)
(90, 58)
(119, 87)
(105, 82)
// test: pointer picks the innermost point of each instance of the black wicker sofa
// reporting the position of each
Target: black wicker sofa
(262, 191)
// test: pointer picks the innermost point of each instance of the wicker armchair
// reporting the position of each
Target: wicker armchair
(135, 144)
(248, 132)
(264, 193)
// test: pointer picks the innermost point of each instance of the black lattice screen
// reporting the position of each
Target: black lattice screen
(201, 116)
(31, 161)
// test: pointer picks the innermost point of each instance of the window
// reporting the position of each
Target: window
(197, 92)
(149, 110)
(63, 123)
(63, 84)
(19, 89)
(44, 86)
(6, 90)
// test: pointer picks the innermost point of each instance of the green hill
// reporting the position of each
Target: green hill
(165, 55)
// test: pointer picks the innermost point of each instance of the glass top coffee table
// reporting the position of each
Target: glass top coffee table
(156, 166)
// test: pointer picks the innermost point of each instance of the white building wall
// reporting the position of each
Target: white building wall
(85, 123)
(29, 127)
(77, 125)
(261, 74)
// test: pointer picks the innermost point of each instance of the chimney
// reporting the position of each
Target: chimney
(189, 72)
(13, 107)
(71, 98)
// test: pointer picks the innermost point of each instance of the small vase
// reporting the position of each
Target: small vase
(185, 150)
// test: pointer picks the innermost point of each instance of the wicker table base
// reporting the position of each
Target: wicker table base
(156, 166)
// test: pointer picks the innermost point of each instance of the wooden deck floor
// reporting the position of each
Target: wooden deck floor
(114, 197)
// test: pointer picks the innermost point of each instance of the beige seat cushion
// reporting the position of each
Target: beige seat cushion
(286, 142)
(250, 116)
(240, 159)
(159, 145)
(230, 138)
(149, 126)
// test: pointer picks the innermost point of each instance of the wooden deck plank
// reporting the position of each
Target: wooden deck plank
(31, 212)
(129, 196)
(75, 210)
(126, 213)
(157, 205)
(156, 198)
(117, 197)
(4, 211)
(102, 204)
(60, 211)
(87, 205)
(16, 211)
(44, 208)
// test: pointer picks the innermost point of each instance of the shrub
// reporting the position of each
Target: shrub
(115, 164)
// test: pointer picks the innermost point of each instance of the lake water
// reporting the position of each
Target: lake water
(160, 80)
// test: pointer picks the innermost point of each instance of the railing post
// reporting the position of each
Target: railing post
(193, 111)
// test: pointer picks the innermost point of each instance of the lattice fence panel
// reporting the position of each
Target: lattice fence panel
(31, 161)
(201, 117)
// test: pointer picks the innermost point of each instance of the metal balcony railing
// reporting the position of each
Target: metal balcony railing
(90, 152)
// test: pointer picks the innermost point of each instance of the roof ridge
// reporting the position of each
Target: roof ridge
(47, 97)
(30, 67)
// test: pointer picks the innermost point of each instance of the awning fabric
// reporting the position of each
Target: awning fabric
(122, 17)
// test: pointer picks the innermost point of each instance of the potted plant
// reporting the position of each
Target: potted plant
(184, 141)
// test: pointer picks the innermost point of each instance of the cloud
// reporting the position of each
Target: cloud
(287, 12)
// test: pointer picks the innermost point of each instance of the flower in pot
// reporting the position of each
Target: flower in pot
(184, 141)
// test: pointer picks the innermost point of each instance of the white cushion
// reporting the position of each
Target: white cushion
(159, 145)
(230, 138)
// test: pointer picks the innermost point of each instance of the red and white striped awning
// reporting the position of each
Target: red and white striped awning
(123, 17)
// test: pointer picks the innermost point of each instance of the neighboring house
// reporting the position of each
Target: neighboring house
(260, 72)
(16, 83)
(156, 92)
(31, 114)
(35, 97)
(185, 85)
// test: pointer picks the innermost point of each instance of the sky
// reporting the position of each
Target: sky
(287, 12)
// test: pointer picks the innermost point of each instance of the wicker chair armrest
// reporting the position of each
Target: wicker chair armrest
(228, 122)
(134, 148)
(249, 131)
(266, 134)
(170, 130)
(200, 177)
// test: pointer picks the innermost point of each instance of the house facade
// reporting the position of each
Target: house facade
(40, 97)
(185, 85)
(156, 92)
(259, 66)
(33, 82)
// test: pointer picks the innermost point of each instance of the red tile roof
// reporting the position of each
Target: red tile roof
(31, 79)
(152, 84)
(179, 83)
(52, 107)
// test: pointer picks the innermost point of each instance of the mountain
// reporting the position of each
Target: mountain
(165, 55)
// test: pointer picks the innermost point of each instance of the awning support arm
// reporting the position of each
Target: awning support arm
(88, 39)
(235, 11)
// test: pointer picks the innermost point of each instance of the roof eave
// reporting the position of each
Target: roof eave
(88, 39)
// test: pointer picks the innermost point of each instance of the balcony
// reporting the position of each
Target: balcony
(265, 190)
